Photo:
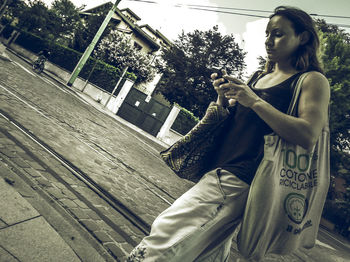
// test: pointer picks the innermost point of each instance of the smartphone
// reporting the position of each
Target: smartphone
(218, 71)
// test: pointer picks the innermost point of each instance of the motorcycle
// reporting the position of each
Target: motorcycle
(39, 64)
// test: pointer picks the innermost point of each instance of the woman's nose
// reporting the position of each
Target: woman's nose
(268, 42)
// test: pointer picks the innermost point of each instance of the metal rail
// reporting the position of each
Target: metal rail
(106, 196)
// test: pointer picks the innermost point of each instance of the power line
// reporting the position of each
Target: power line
(224, 12)
(216, 9)
(256, 10)
(332, 16)
(227, 8)
(205, 8)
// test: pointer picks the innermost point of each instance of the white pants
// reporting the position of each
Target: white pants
(199, 225)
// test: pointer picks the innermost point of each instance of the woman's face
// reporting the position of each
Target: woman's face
(281, 40)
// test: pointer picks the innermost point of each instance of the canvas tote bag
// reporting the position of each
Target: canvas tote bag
(287, 195)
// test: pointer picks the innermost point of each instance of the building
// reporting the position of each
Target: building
(144, 38)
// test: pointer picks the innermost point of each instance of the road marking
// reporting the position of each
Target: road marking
(43, 78)
(333, 238)
(52, 83)
(318, 242)
(25, 69)
(32, 107)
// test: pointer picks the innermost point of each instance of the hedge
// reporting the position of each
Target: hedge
(184, 122)
(7, 31)
(104, 75)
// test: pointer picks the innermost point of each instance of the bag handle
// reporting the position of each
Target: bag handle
(296, 94)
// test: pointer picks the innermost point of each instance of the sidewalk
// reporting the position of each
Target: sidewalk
(25, 235)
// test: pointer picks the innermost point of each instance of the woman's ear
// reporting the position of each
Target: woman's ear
(304, 37)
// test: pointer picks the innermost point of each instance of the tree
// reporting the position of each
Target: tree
(332, 29)
(68, 19)
(336, 60)
(262, 62)
(335, 44)
(35, 18)
(87, 30)
(118, 50)
(11, 11)
(187, 66)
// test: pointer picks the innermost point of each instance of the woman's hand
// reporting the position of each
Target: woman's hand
(236, 90)
(217, 85)
(221, 90)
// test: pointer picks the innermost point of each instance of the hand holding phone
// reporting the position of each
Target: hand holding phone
(219, 74)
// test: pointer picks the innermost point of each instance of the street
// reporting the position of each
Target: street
(121, 162)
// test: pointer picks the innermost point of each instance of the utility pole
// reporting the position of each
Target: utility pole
(116, 86)
(3, 8)
(91, 47)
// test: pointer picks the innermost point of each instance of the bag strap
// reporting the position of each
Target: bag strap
(254, 77)
(296, 94)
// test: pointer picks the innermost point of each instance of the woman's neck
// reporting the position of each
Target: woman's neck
(284, 68)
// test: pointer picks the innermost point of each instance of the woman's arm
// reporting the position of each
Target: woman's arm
(303, 130)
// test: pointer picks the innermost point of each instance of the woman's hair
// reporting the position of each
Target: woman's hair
(305, 57)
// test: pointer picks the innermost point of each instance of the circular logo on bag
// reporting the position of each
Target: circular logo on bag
(296, 205)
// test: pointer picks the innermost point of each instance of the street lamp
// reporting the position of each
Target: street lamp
(91, 47)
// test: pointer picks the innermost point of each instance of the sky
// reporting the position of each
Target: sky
(171, 17)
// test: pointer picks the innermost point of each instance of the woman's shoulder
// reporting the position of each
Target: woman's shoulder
(315, 78)
(316, 85)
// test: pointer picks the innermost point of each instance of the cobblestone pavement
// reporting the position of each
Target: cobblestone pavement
(47, 175)
(98, 145)
(116, 158)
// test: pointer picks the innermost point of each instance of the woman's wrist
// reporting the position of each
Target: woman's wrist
(257, 104)
(222, 101)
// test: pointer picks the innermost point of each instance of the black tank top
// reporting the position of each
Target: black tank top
(242, 146)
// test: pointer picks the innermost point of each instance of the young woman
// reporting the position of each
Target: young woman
(199, 225)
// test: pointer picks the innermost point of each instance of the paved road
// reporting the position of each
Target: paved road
(123, 162)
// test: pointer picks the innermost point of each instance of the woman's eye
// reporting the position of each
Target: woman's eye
(278, 34)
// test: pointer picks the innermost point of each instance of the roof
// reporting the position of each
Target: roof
(157, 33)
(149, 28)
(131, 12)
(164, 38)
(137, 29)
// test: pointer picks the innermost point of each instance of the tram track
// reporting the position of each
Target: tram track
(76, 172)
(129, 214)
(94, 200)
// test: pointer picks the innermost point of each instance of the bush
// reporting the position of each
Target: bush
(184, 122)
(104, 75)
(32, 42)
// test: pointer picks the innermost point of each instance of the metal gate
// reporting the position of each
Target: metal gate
(147, 114)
